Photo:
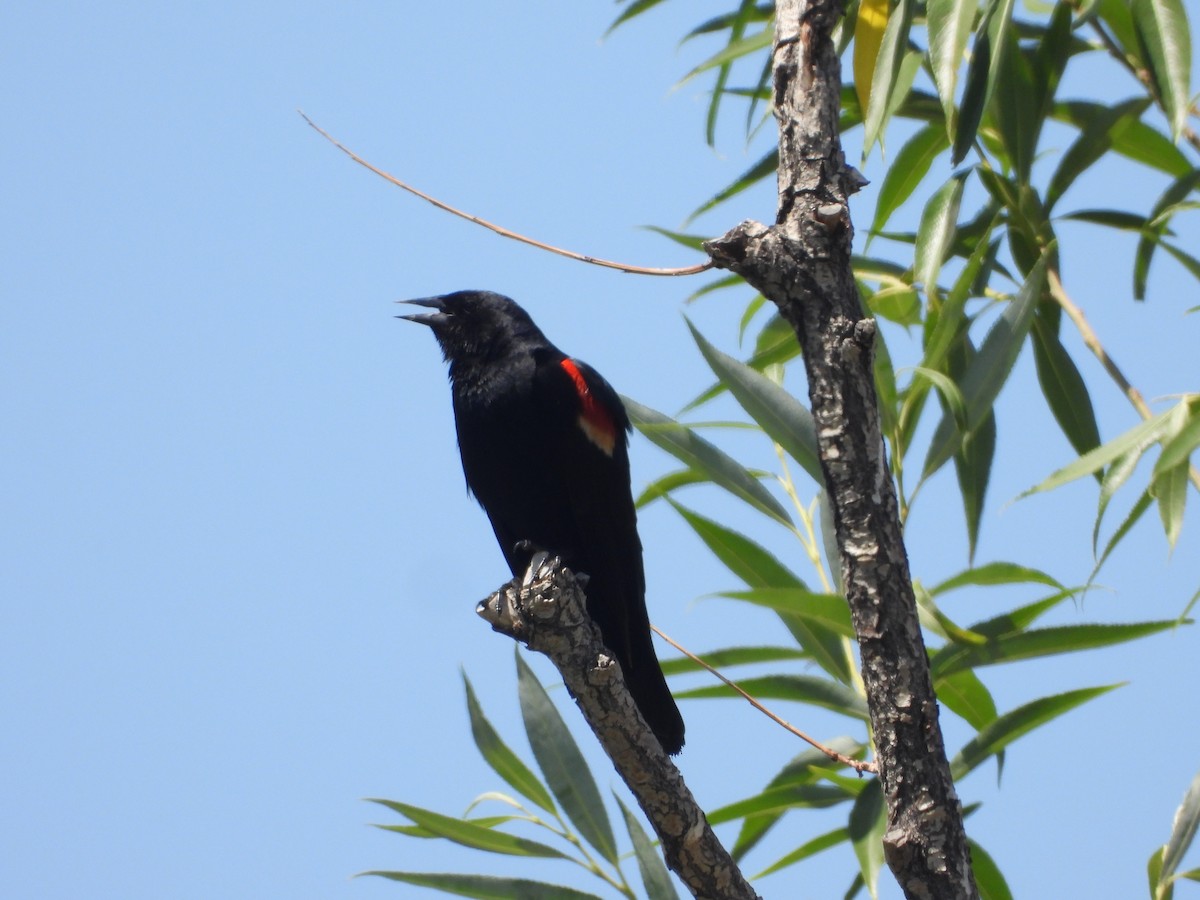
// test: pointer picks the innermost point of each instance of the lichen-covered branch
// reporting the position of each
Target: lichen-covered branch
(546, 609)
(802, 264)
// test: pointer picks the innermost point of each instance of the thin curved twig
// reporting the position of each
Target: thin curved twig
(857, 765)
(499, 229)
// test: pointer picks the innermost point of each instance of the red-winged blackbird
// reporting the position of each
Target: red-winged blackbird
(544, 441)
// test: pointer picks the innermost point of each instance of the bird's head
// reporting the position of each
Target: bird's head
(475, 327)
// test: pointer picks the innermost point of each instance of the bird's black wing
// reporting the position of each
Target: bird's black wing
(591, 467)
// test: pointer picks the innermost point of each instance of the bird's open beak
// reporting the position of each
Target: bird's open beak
(433, 319)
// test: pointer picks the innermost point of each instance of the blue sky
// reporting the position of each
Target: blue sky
(239, 564)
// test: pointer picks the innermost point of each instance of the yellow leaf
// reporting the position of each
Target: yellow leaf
(868, 35)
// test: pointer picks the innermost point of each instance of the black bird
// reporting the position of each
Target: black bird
(543, 440)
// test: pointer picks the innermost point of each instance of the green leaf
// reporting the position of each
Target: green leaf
(1101, 126)
(1135, 440)
(828, 610)
(654, 872)
(936, 232)
(697, 453)
(1139, 508)
(759, 569)
(807, 689)
(562, 764)
(785, 419)
(756, 173)
(907, 171)
(996, 573)
(1183, 830)
(973, 469)
(887, 84)
(982, 73)
(865, 827)
(1064, 389)
(805, 850)
(1016, 110)
(967, 697)
(1135, 140)
(988, 877)
(504, 762)
(1162, 27)
(1189, 262)
(779, 800)
(633, 9)
(487, 887)
(668, 483)
(732, 656)
(1179, 446)
(1160, 217)
(472, 835)
(1041, 642)
(949, 23)
(987, 372)
(1170, 490)
(742, 556)
(1012, 725)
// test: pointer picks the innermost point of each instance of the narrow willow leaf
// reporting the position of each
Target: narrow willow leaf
(1183, 829)
(472, 835)
(562, 764)
(1154, 873)
(808, 689)
(1136, 439)
(691, 241)
(1016, 620)
(988, 877)
(1100, 129)
(782, 799)
(700, 455)
(1136, 140)
(806, 768)
(1163, 29)
(1041, 642)
(636, 8)
(756, 173)
(982, 73)
(973, 469)
(1064, 389)
(1016, 110)
(737, 31)
(785, 419)
(949, 392)
(504, 761)
(1131, 519)
(487, 887)
(760, 569)
(1013, 725)
(1185, 439)
(949, 23)
(1114, 477)
(655, 876)
(1189, 262)
(967, 697)
(989, 369)
(886, 82)
(829, 610)
(747, 560)
(865, 827)
(868, 35)
(907, 171)
(995, 573)
(1179, 189)
(807, 849)
(668, 483)
(732, 656)
(1170, 489)
(936, 233)
(899, 304)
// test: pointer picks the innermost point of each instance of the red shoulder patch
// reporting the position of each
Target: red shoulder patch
(595, 421)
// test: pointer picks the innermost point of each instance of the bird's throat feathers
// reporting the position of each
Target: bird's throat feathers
(595, 421)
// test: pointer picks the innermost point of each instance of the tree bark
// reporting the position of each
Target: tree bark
(802, 264)
(547, 611)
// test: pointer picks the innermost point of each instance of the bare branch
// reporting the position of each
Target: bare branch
(499, 229)
(546, 610)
